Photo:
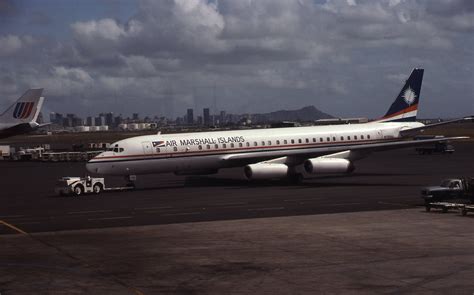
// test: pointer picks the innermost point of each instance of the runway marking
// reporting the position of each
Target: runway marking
(13, 227)
(266, 209)
(110, 218)
(153, 208)
(86, 212)
(178, 214)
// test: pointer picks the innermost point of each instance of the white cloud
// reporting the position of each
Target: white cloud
(321, 50)
(13, 44)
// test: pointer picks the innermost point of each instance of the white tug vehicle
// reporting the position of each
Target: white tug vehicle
(78, 186)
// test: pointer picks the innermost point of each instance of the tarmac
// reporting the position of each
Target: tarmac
(379, 252)
(358, 234)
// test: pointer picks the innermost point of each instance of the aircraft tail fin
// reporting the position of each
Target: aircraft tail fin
(405, 106)
(26, 109)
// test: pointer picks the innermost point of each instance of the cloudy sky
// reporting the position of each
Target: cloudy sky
(346, 57)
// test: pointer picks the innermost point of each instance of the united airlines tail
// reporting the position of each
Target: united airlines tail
(405, 106)
(21, 117)
(25, 109)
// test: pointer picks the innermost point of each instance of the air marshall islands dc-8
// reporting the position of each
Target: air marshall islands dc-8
(292, 153)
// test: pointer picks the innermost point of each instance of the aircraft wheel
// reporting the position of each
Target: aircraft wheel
(97, 188)
(78, 190)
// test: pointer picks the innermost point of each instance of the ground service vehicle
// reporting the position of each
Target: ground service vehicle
(442, 147)
(455, 188)
(79, 185)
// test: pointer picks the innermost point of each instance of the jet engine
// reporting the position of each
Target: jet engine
(265, 171)
(328, 165)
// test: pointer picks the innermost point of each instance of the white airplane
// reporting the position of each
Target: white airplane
(21, 117)
(292, 153)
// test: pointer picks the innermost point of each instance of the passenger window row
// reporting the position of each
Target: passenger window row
(269, 142)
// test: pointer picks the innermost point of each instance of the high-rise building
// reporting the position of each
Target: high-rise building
(97, 121)
(56, 118)
(118, 120)
(206, 116)
(109, 119)
(222, 119)
(69, 120)
(190, 117)
(90, 121)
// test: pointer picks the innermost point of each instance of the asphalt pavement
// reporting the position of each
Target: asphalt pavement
(382, 181)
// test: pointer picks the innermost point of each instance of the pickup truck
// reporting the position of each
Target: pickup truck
(455, 188)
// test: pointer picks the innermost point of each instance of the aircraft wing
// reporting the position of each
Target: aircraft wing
(298, 156)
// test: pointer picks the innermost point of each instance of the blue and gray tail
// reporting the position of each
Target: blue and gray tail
(405, 107)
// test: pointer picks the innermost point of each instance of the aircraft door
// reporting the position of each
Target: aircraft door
(147, 149)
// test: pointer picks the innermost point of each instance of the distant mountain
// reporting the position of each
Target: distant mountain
(309, 113)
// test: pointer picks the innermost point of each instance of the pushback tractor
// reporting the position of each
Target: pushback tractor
(77, 186)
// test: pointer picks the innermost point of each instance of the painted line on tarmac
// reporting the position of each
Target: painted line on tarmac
(87, 212)
(13, 227)
(110, 218)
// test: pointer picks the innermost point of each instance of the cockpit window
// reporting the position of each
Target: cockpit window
(116, 149)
